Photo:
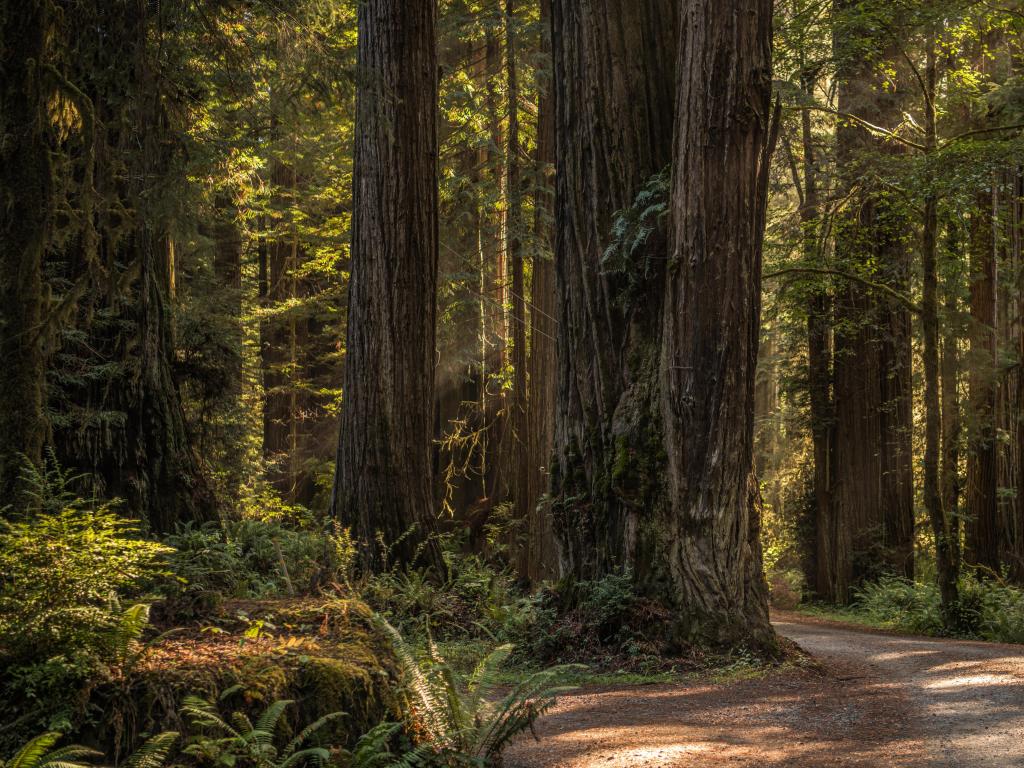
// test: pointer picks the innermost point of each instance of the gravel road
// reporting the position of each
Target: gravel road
(966, 700)
(876, 700)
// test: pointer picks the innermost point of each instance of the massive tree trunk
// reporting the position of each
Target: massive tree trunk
(873, 493)
(712, 302)
(26, 204)
(383, 483)
(613, 77)
(982, 499)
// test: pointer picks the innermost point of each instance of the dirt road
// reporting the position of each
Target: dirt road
(879, 700)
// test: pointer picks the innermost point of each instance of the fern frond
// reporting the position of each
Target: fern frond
(308, 731)
(39, 753)
(153, 754)
(373, 748)
(204, 714)
(315, 755)
(485, 676)
(271, 716)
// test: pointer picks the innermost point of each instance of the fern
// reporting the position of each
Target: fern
(39, 753)
(628, 255)
(240, 741)
(461, 719)
(373, 750)
(153, 754)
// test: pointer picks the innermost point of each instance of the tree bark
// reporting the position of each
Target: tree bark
(938, 514)
(514, 230)
(819, 564)
(723, 143)
(950, 481)
(982, 499)
(872, 502)
(613, 74)
(26, 205)
(543, 554)
(127, 429)
(383, 482)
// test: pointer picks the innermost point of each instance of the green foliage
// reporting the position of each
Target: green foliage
(237, 741)
(39, 753)
(463, 721)
(631, 254)
(474, 600)
(252, 558)
(63, 575)
(375, 749)
(603, 621)
(988, 610)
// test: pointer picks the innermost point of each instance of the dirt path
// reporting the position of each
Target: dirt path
(879, 700)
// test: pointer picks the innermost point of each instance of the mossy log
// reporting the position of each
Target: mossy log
(326, 656)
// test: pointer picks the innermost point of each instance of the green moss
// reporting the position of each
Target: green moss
(328, 657)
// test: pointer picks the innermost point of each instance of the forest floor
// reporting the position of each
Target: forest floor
(872, 699)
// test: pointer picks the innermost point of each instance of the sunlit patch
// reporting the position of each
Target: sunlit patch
(960, 682)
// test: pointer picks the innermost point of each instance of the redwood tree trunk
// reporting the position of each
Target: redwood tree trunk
(982, 500)
(541, 366)
(872, 502)
(613, 74)
(129, 432)
(712, 317)
(383, 482)
(26, 180)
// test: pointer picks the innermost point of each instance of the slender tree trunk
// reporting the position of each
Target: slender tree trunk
(613, 74)
(951, 421)
(383, 483)
(514, 230)
(982, 501)
(543, 560)
(723, 144)
(26, 204)
(945, 557)
(819, 368)
(275, 337)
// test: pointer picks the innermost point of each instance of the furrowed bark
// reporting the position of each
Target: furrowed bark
(723, 143)
(383, 482)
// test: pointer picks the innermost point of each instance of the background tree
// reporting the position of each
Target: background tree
(383, 485)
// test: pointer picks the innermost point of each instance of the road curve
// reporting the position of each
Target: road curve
(964, 699)
(872, 700)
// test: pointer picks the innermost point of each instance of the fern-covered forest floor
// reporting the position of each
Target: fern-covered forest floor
(868, 698)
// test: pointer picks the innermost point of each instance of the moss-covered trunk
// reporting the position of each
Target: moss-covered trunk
(613, 73)
(122, 418)
(26, 181)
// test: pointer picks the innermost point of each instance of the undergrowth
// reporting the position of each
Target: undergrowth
(989, 609)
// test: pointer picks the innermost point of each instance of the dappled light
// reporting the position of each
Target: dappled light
(511, 383)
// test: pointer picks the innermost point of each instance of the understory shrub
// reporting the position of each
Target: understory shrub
(63, 576)
(475, 599)
(601, 621)
(251, 558)
(989, 609)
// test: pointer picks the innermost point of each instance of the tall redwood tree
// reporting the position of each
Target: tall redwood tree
(383, 483)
